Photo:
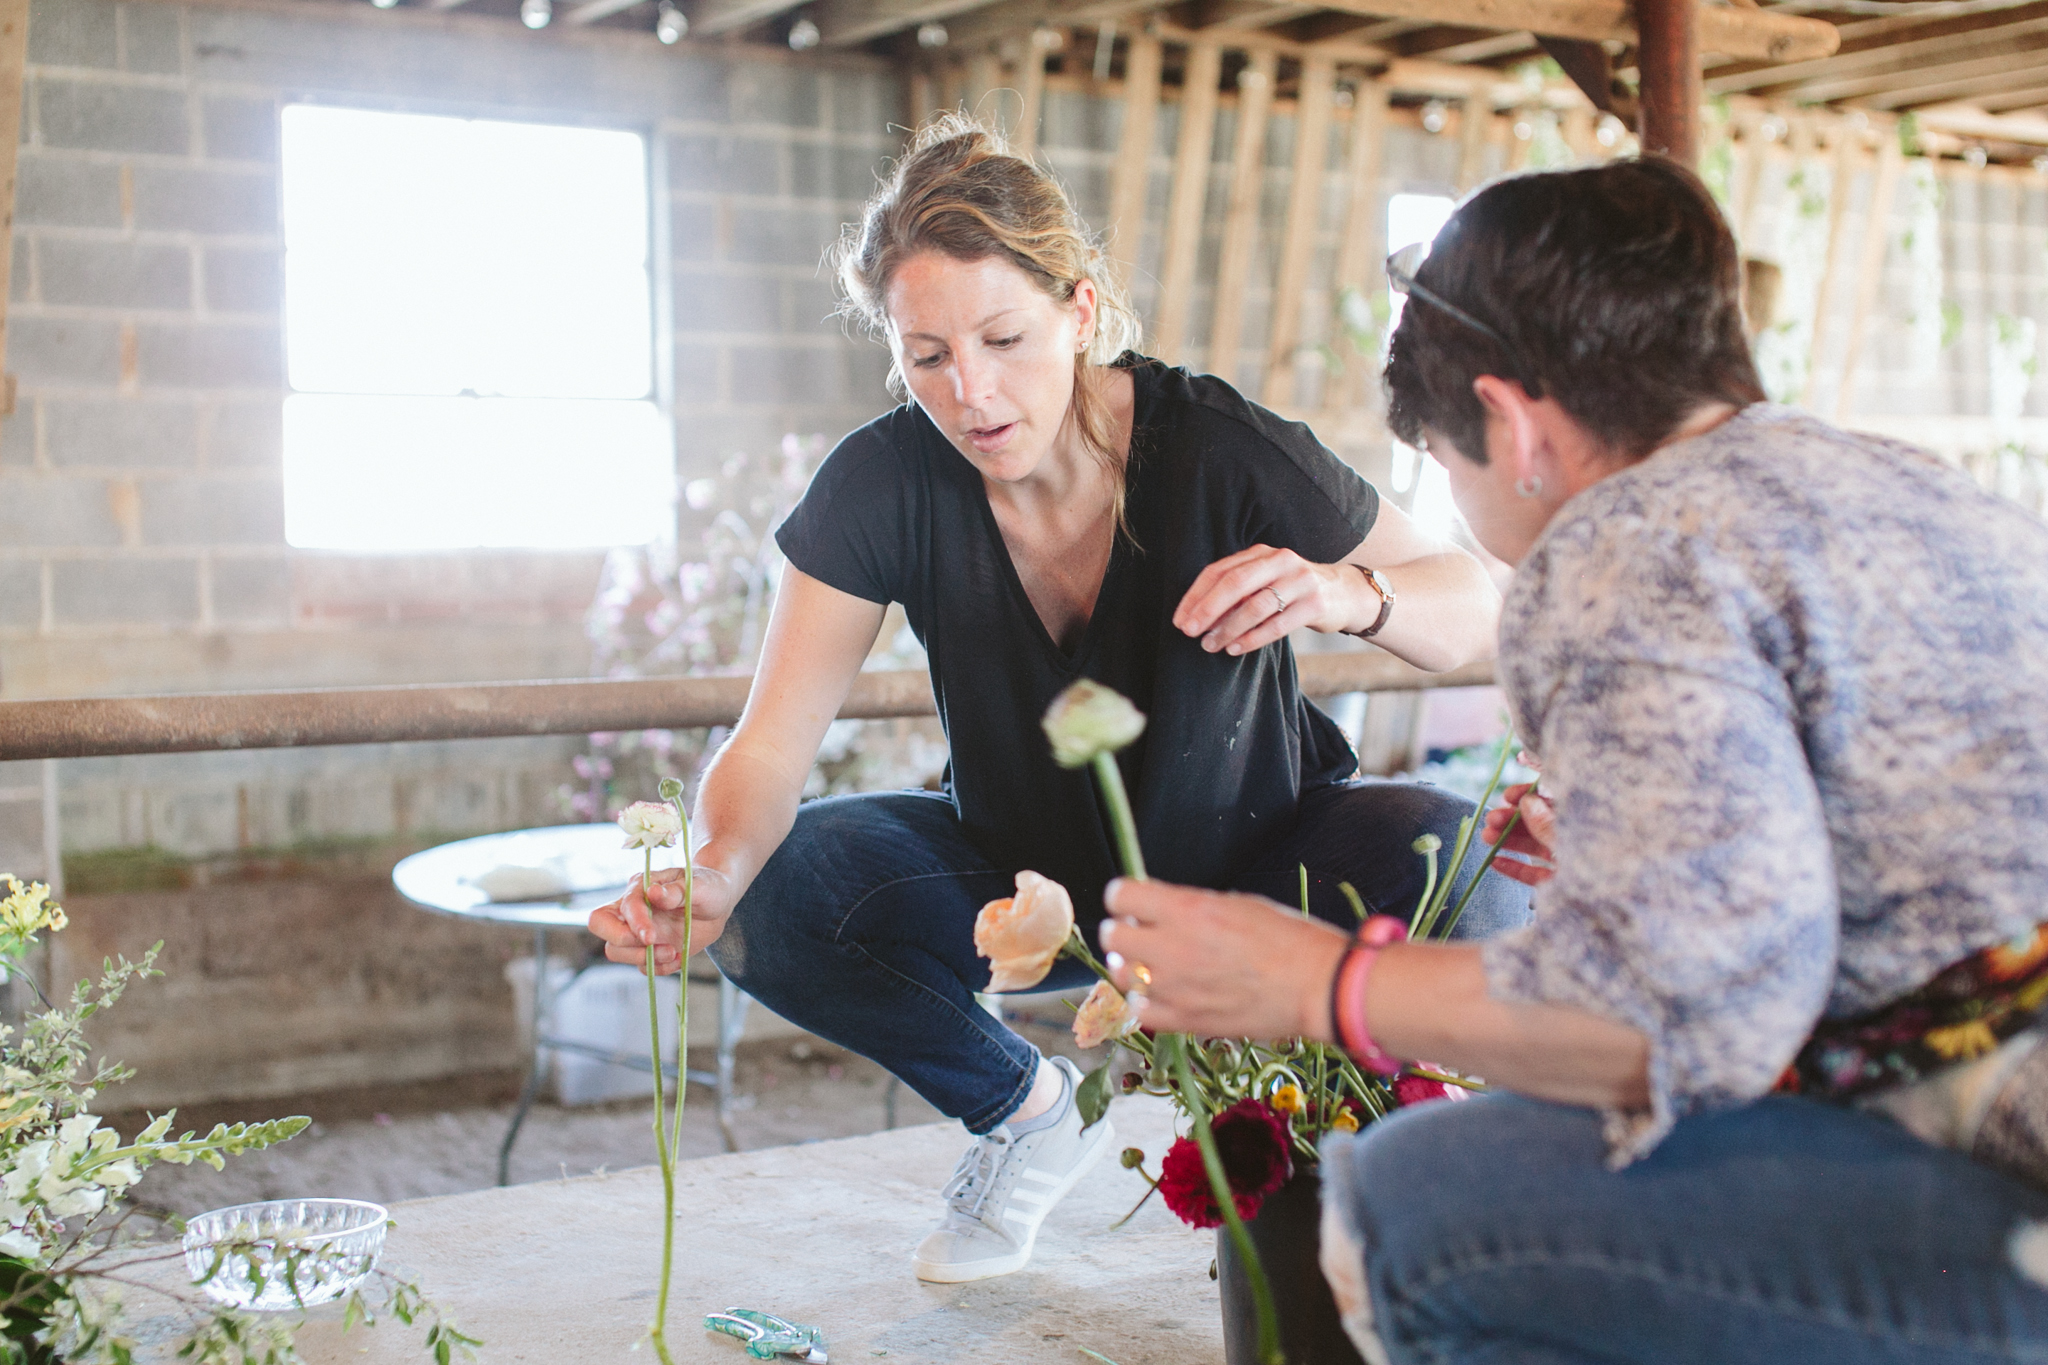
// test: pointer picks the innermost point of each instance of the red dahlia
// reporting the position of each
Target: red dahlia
(1257, 1159)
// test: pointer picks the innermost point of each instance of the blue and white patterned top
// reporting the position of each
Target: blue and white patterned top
(1790, 690)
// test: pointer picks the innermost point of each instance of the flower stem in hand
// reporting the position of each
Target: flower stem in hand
(1196, 1104)
(1123, 825)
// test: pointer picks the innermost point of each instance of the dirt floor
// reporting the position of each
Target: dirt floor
(408, 1142)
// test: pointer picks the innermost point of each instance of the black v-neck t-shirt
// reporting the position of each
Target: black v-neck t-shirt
(896, 514)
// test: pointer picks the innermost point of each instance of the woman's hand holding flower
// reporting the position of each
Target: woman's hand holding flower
(1222, 965)
(653, 917)
(1531, 837)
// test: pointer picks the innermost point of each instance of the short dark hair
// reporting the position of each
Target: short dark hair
(1619, 288)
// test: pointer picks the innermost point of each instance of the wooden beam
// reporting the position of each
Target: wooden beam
(1960, 80)
(2010, 101)
(1191, 158)
(1475, 127)
(1486, 49)
(709, 18)
(1131, 174)
(1217, 16)
(1313, 110)
(1881, 61)
(1975, 123)
(443, 4)
(1763, 35)
(13, 71)
(990, 22)
(1668, 60)
(842, 23)
(590, 11)
(1875, 38)
(1241, 220)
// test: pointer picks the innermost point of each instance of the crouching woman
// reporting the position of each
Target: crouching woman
(1765, 1081)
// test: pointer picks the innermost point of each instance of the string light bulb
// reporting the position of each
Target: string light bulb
(1434, 116)
(383, 4)
(670, 24)
(932, 35)
(803, 35)
(536, 13)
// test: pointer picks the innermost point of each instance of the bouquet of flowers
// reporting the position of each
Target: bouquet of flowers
(63, 1246)
(1254, 1111)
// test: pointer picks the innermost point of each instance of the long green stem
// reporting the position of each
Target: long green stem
(657, 1332)
(1197, 1106)
(1492, 852)
(1122, 824)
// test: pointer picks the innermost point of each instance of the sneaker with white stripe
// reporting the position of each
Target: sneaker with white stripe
(1004, 1187)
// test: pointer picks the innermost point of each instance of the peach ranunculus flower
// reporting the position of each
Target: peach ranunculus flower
(1104, 1015)
(1022, 935)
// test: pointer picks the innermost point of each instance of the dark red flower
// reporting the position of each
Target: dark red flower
(1419, 1090)
(1257, 1160)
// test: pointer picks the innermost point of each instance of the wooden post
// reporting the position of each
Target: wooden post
(1241, 220)
(984, 75)
(1312, 113)
(920, 95)
(1363, 252)
(1475, 133)
(1191, 159)
(1870, 264)
(13, 68)
(1841, 178)
(1668, 57)
(1031, 85)
(1131, 176)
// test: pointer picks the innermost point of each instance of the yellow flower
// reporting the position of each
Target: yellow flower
(28, 908)
(1345, 1122)
(2031, 995)
(1961, 1041)
(1288, 1100)
(1022, 935)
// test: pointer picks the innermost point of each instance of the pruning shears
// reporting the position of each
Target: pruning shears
(767, 1336)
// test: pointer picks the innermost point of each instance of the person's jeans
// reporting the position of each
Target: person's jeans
(1786, 1232)
(860, 927)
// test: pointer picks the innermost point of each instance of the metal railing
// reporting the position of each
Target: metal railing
(194, 722)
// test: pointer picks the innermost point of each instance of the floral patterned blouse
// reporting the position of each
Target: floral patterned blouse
(1790, 689)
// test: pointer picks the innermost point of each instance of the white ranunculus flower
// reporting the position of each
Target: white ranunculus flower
(650, 824)
(87, 1199)
(1089, 719)
(15, 1242)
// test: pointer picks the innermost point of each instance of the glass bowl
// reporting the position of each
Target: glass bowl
(284, 1253)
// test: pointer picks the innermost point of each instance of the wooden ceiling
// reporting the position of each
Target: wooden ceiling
(1974, 69)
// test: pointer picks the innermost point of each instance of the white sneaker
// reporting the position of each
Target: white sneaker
(1004, 1187)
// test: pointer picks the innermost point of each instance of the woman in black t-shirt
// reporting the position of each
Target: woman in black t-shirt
(1049, 506)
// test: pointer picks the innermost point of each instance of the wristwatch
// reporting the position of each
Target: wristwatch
(1386, 592)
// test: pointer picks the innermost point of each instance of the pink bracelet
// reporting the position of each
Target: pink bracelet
(1347, 993)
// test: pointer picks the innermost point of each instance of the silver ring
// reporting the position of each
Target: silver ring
(1277, 597)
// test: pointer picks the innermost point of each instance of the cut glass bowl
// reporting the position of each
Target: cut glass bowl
(284, 1253)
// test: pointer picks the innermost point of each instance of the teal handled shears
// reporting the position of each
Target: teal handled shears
(768, 1336)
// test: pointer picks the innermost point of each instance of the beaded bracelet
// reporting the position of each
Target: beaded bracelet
(1347, 993)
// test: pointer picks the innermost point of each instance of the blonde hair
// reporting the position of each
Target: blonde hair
(962, 192)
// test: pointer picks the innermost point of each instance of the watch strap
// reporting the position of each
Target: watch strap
(1386, 592)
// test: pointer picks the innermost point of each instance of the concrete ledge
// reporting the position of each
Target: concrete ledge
(563, 1272)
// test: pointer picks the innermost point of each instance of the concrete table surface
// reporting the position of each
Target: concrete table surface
(563, 1272)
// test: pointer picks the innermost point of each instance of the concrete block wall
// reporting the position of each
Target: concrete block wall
(141, 527)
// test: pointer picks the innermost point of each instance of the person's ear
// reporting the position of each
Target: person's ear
(1514, 411)
(1087, 307)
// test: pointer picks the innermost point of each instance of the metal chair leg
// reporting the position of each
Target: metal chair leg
(527, 1091)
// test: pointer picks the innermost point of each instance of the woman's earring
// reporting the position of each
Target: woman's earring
(1531, 487)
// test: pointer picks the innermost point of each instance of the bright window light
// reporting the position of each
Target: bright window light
(1413, 218)
(468, 334)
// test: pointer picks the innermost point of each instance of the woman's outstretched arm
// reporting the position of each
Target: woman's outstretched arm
(817, 639)
(1227, 965)
(1446, 610)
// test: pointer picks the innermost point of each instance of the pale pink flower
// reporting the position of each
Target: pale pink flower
(1022, 935)
(1104, 1015)
(650, 824)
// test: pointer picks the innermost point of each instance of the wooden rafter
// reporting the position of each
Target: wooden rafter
(1878, 62)
(2019, 54)
(842, 23)
(709, 18)
(1756, 34)
(590, 11)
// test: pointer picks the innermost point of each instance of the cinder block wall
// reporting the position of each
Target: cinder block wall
(141, 526)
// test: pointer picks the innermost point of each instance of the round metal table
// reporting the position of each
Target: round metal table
(552, 878)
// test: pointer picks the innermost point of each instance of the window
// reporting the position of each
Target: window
(1413, 218)
(468, 336)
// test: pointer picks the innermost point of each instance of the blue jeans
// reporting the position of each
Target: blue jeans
(860, 927)
(1786, 1232)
